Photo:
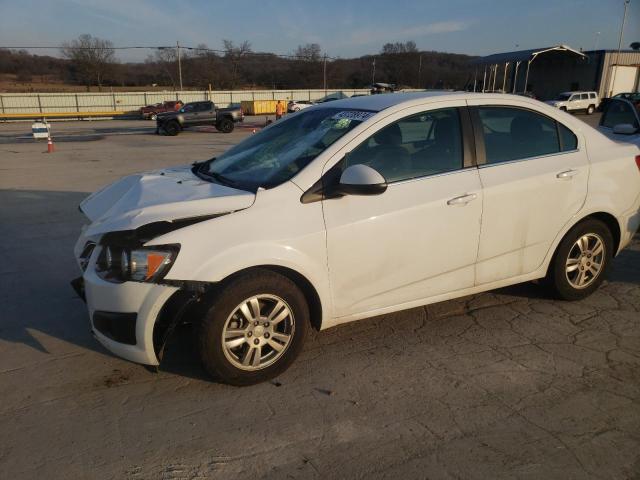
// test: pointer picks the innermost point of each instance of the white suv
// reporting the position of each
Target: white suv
(576, 101)
(351, 209)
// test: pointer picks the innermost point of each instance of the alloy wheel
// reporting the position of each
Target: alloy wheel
(585, 260)
(258, 332)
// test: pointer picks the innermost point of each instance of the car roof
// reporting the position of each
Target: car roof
(577, 91)
(383, 101)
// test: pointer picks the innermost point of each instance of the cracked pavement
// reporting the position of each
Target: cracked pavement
(505, 384)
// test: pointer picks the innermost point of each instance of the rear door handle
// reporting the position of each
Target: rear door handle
(462, 199)
(567, 174)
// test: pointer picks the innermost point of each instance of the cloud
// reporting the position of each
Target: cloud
(377, 35)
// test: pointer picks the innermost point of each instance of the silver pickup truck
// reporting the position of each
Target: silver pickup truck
(198, 113)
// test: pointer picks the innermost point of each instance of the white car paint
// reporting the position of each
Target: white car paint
(422, 241)
(163, 195)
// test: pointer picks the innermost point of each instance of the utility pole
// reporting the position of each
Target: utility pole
(373, 72)
(324, 74)
(420, 71)
(179, 64)
(624, 19)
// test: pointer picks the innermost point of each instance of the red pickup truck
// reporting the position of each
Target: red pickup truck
(151, 111)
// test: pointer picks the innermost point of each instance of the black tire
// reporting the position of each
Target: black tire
(564, 109)
(591, 109)
(171, 128)
(219, 310)
(225, 125)
(557, 276)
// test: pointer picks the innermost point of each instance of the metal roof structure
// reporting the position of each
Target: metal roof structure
(525, 55)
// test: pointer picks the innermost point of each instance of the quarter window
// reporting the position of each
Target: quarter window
(568, 140)
(425, 144)
(514, 134)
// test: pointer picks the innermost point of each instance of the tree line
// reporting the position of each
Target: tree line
(92, 62)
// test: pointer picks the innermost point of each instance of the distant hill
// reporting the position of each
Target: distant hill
(22, 71)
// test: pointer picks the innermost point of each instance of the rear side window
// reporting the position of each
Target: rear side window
(515, 133)
(592, 95)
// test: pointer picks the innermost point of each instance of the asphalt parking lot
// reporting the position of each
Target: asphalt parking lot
(506, 384)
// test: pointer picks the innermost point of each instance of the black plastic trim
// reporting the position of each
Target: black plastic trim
(120, 327)
(468, 139)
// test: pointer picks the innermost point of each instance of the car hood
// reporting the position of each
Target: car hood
(554, 102)
(163, 195)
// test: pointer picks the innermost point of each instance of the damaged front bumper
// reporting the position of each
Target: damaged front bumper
(123, 316)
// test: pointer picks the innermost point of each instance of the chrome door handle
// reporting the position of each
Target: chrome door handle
(567, 174)
(462, 199)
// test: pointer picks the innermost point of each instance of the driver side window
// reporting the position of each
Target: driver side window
(420, 145)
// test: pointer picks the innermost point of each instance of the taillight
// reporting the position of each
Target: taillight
(638, 161)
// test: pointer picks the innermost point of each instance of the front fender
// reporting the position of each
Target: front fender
(277, 230)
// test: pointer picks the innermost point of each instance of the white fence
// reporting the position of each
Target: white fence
(13, 103)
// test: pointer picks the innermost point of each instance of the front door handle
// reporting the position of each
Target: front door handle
(462, 199)
(567, 174)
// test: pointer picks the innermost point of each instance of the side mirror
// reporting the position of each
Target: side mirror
(624, 129)
(361, 180)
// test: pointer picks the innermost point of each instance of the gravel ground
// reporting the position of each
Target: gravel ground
(506, 384)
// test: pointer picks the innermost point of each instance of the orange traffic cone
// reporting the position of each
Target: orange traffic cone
(50, 148)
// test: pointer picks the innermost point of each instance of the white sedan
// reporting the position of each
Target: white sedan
(351, 209)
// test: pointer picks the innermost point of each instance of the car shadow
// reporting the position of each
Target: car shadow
(39, 229)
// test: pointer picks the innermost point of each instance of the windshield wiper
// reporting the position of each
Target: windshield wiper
(222, 179)
(203, 172)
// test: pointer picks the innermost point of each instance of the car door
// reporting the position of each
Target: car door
(419, 238)
(574, 102)
(208, 114)
(534, 172)
(188, 112)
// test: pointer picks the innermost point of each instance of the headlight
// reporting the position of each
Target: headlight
(118, 264)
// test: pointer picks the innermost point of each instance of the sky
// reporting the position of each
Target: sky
(343, 28)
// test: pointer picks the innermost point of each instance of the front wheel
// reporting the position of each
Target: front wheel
(171, 128)
(225, 125)
(581, 260)
(253, 329)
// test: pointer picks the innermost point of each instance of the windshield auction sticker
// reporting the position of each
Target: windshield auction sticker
(357, 115)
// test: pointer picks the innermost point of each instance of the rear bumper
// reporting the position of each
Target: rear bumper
(631, 225)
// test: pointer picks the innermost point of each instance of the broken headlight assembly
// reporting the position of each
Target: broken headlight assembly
(142, 264)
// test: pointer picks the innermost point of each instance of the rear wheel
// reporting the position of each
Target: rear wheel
(225, 125)
(254, 329)
(581, 260)
(591, 109)
(171, 128)
(153, 116)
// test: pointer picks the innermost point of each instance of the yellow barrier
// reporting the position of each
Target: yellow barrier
(261, 107)
(66, 114)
